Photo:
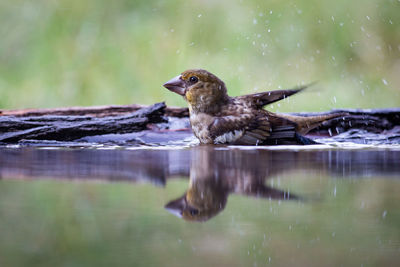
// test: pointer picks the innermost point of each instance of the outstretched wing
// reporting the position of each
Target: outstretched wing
(259, 100)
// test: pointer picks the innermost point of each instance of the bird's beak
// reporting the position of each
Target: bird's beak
(176, 206)
(176, 85)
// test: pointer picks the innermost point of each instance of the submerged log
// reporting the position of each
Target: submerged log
(84, 123)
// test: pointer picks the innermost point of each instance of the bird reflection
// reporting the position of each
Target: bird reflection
(213, 176)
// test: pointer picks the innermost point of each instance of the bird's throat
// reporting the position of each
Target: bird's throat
(189, 98)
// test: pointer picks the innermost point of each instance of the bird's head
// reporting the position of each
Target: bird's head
(206, 197)
(201, 89)
(192, 207)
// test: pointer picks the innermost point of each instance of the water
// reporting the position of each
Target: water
(200, 206)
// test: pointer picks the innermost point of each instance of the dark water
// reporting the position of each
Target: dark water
(199, 206)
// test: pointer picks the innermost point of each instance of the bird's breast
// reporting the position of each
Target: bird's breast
(200, 123)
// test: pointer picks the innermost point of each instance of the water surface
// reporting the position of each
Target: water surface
(197, 206)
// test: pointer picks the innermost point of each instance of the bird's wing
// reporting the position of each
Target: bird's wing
(259, 100)
(261, 127)
(247, 129)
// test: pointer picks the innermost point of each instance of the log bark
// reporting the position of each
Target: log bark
(95, 111)
(72, 127)
(371, 120)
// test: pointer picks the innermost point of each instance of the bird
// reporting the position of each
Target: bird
(217, 118)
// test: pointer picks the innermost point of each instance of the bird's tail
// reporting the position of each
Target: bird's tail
(306, 124)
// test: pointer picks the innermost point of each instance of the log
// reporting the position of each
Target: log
(72, 127)
(371, 120)
(95, 111)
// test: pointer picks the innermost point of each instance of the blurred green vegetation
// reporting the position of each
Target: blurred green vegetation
(70, 52)
(350, 222)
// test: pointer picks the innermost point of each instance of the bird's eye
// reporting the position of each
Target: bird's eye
(194, 212)
(193, 79)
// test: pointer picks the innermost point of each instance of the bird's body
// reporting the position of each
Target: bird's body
(217, 118)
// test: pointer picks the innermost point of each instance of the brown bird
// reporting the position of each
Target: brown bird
(217, 118)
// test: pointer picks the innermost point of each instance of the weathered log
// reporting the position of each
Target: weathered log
(95, 111)
(67, 128)
(372, 120)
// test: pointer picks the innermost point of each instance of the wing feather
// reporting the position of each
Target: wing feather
(243, 129)
(260, 127)
(259, 100)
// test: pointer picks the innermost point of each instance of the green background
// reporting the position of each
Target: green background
(70, 52)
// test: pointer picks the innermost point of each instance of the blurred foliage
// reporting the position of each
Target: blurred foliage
(70, 52)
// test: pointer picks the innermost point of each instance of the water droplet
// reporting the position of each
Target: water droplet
(384, 214)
